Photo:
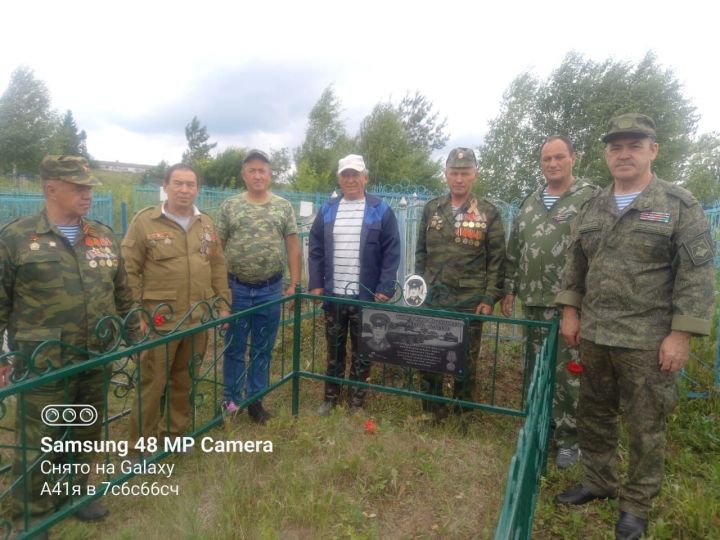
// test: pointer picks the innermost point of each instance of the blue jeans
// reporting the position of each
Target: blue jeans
(262, 326)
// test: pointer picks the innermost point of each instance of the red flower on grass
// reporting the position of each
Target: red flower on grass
(574, 368)
(370, 427)
(158, 320)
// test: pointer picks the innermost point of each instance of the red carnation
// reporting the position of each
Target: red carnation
(159, 320)
(370, 427)
(575, 368)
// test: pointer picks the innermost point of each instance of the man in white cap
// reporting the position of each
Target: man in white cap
(354, 253)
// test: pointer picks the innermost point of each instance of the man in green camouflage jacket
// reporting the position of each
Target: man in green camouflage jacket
(640, 270)
(61, 275)
(535, 258)
(461, 254)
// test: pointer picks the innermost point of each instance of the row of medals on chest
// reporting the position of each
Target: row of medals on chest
(468, 227)
(98, 254)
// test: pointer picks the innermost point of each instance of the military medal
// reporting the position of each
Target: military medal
(93, 263)
(659, 217)
(457, 240)
(101, 262)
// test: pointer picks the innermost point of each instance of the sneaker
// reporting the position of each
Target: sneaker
(325, 408)
(229, 407)
(566, 457)
(92, 512)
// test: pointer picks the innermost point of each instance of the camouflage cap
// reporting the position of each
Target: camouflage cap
(255, 153)
(630, 124)
(379, 319)
(73, 169)
(461, 158)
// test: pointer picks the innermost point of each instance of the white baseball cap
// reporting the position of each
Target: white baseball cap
(353, 161)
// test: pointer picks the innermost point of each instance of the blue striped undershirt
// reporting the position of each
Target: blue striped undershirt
(623, 201)
(71, 232)
(549, 200)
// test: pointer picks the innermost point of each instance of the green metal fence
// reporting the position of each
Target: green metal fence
(298, 355)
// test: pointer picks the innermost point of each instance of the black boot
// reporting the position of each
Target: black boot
(258, 414)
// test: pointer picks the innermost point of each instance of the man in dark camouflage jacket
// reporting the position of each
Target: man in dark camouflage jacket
(61, 274)
(640, 272)
(461, 254)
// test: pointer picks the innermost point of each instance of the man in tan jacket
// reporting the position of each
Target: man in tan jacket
(173, 261)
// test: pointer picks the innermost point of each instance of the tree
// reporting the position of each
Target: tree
(198, 146)
(577, 100)
(326, 141)
(223, 171)
(27, 123)
(426, 132)
(156, 174)
(702, 171)
(390, 153)
(67, 139)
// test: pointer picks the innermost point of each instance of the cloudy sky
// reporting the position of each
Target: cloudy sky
(134, 73)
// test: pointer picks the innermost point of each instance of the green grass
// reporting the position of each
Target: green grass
(329, 478)
(689, 503)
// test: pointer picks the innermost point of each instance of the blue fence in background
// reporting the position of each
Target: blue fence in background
(15, 204)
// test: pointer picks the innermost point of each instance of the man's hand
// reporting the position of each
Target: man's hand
(317, 292)
(483, 309)
(380, 297)
(674, 351)
(570, 326)
(506, 306)
(290, 289)
(224, 313)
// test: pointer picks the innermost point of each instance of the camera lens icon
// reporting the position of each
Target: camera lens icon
(69, 415)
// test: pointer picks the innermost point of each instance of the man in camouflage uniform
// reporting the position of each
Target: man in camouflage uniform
(535, 258)
(173, 258)
(61, 274)
(258, 232)
(461, 254)
(640, 270)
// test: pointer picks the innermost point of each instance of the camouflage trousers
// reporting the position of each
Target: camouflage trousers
(342, 320)
(567, 385)
(166, 370)
(627, 381)
(86, 388)
(464, 386)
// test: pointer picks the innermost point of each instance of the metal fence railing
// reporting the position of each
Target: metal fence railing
(299, 354)
(15, 204)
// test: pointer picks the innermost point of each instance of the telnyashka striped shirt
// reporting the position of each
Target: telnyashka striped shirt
(346, 237)
(549, 200)
(623, 200)
(71, 232)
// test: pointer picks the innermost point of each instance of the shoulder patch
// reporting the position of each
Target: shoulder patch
(700, 248)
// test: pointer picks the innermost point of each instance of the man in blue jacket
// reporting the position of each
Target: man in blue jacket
(354, 253)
